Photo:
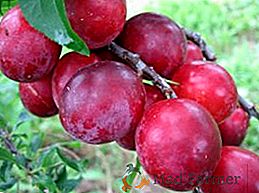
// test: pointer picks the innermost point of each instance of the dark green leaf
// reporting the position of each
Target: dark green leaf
(6, 155)
(5, 170)
(45, 182)
(8, 184)
(36, 142)
(49, 17)
(69, 185)
(23, 117)
(47, 158)
(21, 160)
(6, 4)
(74, 164)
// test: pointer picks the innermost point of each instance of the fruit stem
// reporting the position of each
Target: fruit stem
(248, 107)
(143, 69)
(133, 175)
(199, 41)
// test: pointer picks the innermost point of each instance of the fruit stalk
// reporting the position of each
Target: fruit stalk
(210, 56)
(143, 69)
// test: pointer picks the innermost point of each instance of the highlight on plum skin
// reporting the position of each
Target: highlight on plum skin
(26, 55)
(102, 102)
(68, 65)
(37, 97)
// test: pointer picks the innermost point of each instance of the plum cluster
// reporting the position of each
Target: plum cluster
(100, 99)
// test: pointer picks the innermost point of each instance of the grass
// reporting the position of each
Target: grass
(230, 27)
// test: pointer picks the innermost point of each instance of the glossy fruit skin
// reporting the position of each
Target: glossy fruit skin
(208, 84)
(26, 55)
(178, 137)
(233, 129)
(102, 102)
(37, 97)
(240, 164)
(66, 68)
(153, 95)
(193, 53)
(97, 22)
(158, 40)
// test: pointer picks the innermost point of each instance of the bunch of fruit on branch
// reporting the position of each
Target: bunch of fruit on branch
(100, 98)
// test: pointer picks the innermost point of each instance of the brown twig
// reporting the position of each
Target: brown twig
(143, 69)
(248, 107)
(199, 41)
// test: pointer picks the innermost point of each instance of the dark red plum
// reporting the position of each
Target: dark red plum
(66, 68)
(37, 97)
(159, 41)
(26, 55)
(177, 138)
(210, 85)
(102, 102)
(233, 129)
(237, 172)
(97, 22)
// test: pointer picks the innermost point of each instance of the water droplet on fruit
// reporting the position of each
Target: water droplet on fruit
(206, 156)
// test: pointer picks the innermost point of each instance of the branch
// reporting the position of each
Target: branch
(248, 107)
(142, 68)
(8, 142)
(199, 41)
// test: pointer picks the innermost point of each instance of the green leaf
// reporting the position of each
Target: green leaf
(23, 117)
(45, 182)
(6, 4)
(47, 157)
(74, 164)
(49, 17)
(5, 170)
(6, 155)
(70, 185)
(36, 142)
(8, 184)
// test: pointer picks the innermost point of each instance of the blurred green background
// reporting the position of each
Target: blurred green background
(231, 28)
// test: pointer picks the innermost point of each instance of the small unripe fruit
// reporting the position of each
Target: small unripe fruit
(37, 97)
(66, 68)
(178, 143)
(26, 55)
(102, 102)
